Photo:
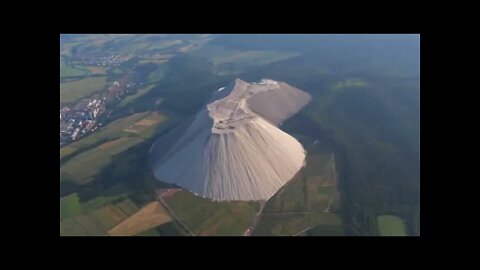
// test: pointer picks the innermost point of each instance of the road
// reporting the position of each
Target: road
(293, 212)
(302, 231)
(172, 214)
(249, 231)
(334, 184)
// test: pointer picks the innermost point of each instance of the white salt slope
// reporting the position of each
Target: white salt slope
(233, 150)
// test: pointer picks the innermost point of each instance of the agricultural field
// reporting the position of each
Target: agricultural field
(108, 141)
(67, 70)
(150, 216)
(140, 92)
(97, 222)
(71, 205)
(309, 201)
(350, 83)
(164, 45)
(66, 49)
(227, 61)
(390, 225)
(205, 217)
(111, 132)
(67, 150)
(96, 70)
(133, 47)
(365, 107)
(156, 58)
(74, 91)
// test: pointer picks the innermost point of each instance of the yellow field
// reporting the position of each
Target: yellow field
(112, 143)
(96, 70)
(97, 222)
(146, 122)
(67, 150)
(151, 120)
(155, 61)
(150, 216)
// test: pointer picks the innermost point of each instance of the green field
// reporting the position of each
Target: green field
(163, 45)
(151, 232)
(157, 74)
(291, 199)
(140, 92)
(67, 70)
(390, 225)
(74, 91)
(227, 61)
(97, 222)
(133, 47)
(71, 205)
(281, 225)
(303, 202)
(67, 150)
(326, 230)
(205, 217)
(112, 132)
(350, 83)
(113, 139)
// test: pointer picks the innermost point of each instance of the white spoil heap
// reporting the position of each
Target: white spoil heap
(233, 150)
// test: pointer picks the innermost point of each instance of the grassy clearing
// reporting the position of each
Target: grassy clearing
(390, 225)
(205, 217)
(73, 91)
(150, 216)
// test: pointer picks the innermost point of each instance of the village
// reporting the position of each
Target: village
(84, 117)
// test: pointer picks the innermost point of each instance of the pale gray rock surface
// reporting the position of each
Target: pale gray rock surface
(233, 149)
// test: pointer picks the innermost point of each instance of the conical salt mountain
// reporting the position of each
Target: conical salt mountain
(233, 149)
